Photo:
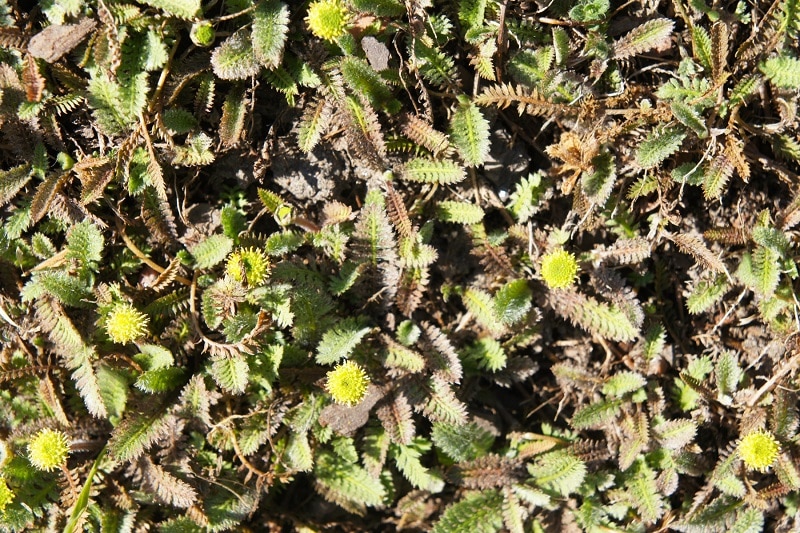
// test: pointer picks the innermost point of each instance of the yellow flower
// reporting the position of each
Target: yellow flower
(125, 324)
(48, 449)
(327, 19)
(758, 450)
(559, 269)
(347, 383)
(248, 264)
(6, 496)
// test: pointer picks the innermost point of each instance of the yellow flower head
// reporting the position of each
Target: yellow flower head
(125, 324)
(6, 495)
(347, 383)
(758, 450)
(559, 269)
(48, 449)
(248, 264)
(327, 19)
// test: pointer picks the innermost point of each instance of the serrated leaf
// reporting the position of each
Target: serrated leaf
(658, 146)
(513, 301)
(231, 373)
(234, 58)
(270, 26)
(469, 133)
(424, 170)
(459, 212)
(339, 342)
(654, 33)
(783, 71)
(185, 9)
(689, 117)
(211, 251)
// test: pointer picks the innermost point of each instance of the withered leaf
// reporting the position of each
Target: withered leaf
(55, 41)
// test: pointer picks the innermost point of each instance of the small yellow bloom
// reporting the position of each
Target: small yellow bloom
(347, 383)
(327, 19)
(6, 495)
(559, 269)
(125, 324)
(248, 264)
(48, 449)
(758, 450)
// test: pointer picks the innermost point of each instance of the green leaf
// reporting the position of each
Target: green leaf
(459, 212)
(654, 33)
(558, 471)
(347, 483)
(85, 243)
(701, 45)
(728, 375)
(528, 196)
(407, 459)
(463, 442)
(481, 305)
(783, 71)
(424, 170)
(235, 58)
(598, 184)
(477, 512)
(161, 380)
(596, 414)
(659, 145)
(136, 434)
(363, 79)
(689, 117)
(513, 301)
(643, 492)
(706, 293)
(469, 133)
(623, 383)
(487, 354)
(339, 342)
(270, 26)
(211, 251)
(12, 180)
(231, 373)
(185, 9)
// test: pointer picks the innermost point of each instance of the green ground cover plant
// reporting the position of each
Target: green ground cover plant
(377, 265)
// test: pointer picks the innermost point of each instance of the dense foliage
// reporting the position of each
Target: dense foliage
(474, 265)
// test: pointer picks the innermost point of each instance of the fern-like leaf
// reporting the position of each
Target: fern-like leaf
(596, 414)
(716, 176)
(230, 372)
(694, 246)
(407, 459)
(339, 342)
(783, 71)
(655, 33)
(459, 212)
(421, 132)
(137, 433)
(706, 293)
(527, 101)
(424, 170)
(165, 486)
(558, 471)
(347, 484)
(477, 512)
(12, 180)
(270, 25)
(469, 133)
(659, 145)
(464, 442)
